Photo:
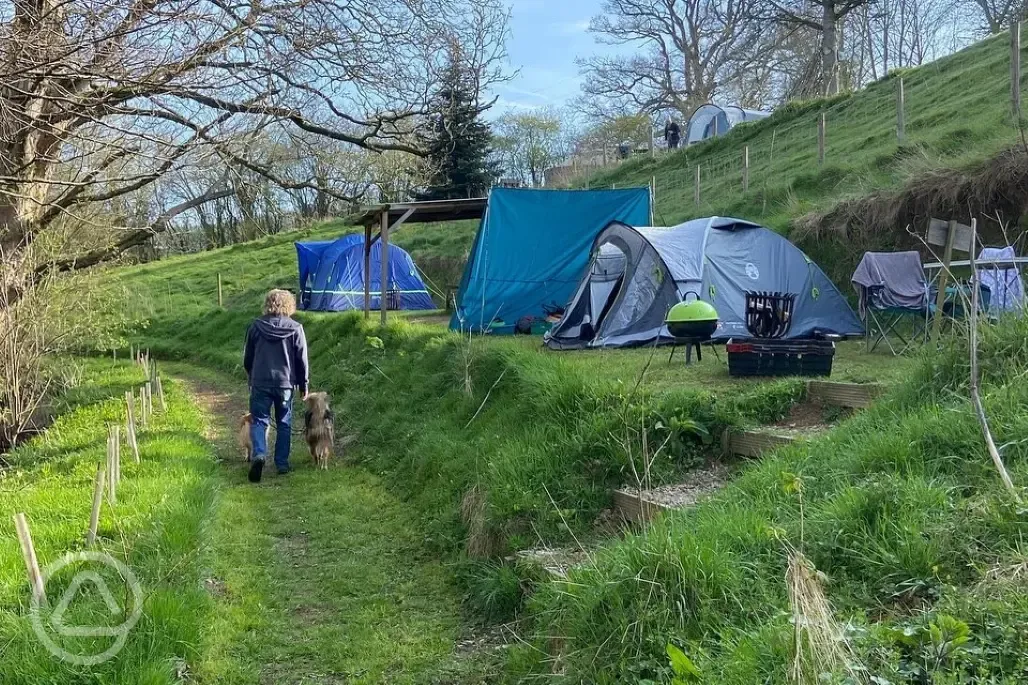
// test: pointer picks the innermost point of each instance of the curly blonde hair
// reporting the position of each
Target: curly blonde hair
(279, 303)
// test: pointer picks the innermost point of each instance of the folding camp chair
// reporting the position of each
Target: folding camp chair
(895, 302)
(998, 269)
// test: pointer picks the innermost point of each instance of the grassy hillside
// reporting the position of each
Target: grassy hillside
(502, 446)
(957, 116)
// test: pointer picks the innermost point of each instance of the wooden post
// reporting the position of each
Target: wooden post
(901, 127)
(160, 394)
(821, 123)
(149, 399)
(142, 408)
(28, 551)
(221, 301)
(367, 272)
(130, 426)
(1015, 70)
(383, 304)
(746, 169)
(112, 472)
(940, 298)
(653, 198)
(98, 496)
(696, 191)
(115, 438)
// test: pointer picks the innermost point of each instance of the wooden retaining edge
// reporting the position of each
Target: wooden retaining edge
(752, 443)
(849, 395)
(635, 508)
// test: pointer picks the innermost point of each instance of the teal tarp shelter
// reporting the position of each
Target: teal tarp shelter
(532, 249)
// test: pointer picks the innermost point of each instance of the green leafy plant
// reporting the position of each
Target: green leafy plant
(684, 669)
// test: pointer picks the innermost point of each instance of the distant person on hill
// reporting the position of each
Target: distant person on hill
(275, 359)
(672, 134)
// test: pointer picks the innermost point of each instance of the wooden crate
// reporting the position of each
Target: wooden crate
(635, 508)
(849, 395)
(752, 443)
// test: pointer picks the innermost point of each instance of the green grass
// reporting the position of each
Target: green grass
(155, 528)
(321, 576)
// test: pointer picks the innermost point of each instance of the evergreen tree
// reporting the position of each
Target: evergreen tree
(457, 141)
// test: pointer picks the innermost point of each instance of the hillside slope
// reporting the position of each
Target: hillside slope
(957, 118)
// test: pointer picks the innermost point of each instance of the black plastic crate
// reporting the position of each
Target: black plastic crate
(763, 357)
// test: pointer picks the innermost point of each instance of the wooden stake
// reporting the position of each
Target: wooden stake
(696, 191)
(221, 301)
(116, 448)
(112, 472)
(976, 398)
(901, 128)
(28, 551)
(160, 394)
(98, 496)
(821, 125)
(130, 425)
(149, 399)
(746, 169)
(940, 298)
(1015, 70)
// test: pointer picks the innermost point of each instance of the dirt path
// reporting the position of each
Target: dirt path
(320, 577)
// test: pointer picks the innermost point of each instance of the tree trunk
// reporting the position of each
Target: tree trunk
(830, 46)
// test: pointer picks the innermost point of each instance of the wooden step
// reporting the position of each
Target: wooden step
(752, 443)
(636, 508)
(849, 395)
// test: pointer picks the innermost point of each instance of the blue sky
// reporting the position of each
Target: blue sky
(546, 37)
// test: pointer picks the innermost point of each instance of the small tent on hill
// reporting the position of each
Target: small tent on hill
(332, 276)
(709, 121)
(531, 249)
(636, 274)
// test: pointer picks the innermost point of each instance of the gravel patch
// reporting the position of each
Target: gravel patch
(702, 482)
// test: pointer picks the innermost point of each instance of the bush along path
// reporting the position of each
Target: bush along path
(321, 576)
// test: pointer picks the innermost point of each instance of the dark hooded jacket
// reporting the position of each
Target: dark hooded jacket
(275, 355)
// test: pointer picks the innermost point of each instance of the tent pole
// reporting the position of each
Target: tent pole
(367, 272)
(383, 304)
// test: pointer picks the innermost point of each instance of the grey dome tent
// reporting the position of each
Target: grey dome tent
(708, 121)
(636, 274)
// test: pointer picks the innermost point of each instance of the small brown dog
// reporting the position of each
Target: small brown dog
(318, 429)
(245, 437)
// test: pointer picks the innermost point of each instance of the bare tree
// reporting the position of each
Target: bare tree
(824, 17)
(100, 99)
(997, 15)
(689, 50)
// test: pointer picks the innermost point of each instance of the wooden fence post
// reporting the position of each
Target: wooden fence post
(940, 298)
(746, 169)
(28, 551)
(383, 303)
(221, 301)
(821, 125)
(696, 190)
(901, 126)
(130, 425)
(112, 472)
(1015, 70)
(98, 495)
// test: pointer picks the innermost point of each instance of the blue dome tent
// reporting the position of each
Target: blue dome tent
(709, 121)
(636, 274)
(332, 276)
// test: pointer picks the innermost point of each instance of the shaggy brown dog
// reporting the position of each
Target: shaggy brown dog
(318, 429)
(244, 437)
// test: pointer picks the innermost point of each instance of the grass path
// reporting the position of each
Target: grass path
(321, 577)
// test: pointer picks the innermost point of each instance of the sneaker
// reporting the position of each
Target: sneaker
(284, 471)
(256, 467)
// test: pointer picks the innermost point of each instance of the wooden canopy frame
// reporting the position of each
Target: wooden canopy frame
(389, 217)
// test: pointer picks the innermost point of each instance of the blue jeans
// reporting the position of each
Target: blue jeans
(261, 402)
